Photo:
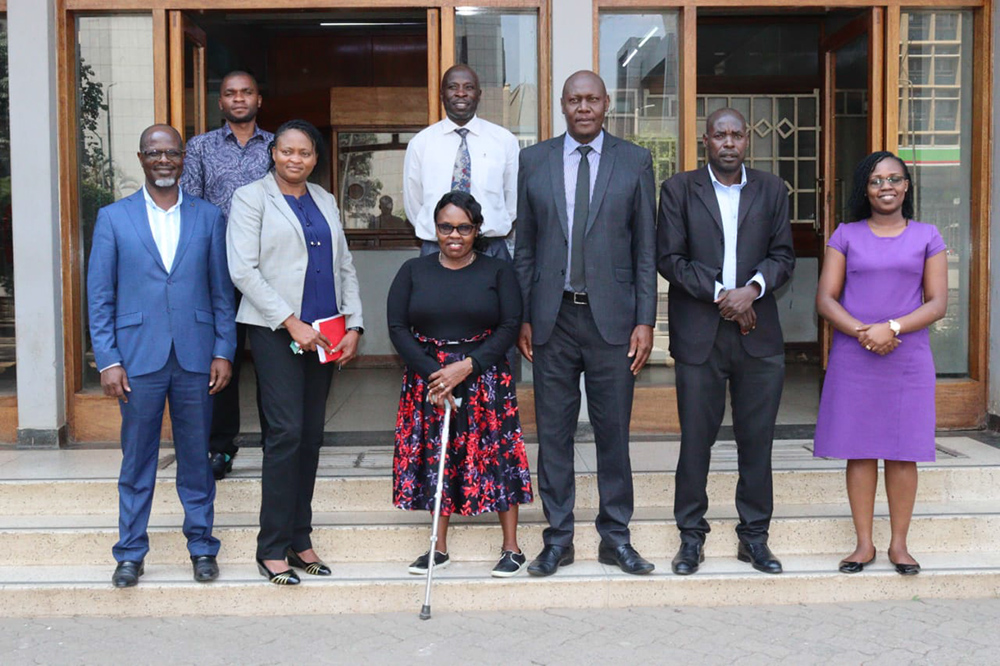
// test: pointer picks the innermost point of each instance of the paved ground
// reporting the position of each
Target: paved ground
(900, 632)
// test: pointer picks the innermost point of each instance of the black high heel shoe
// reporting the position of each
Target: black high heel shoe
(848, 567)
(317, 568)
(287, 577)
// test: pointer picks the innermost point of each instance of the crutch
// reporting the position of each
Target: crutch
(425, 611)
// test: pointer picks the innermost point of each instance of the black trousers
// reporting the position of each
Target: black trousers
(226, 403)
(755, 390)
(577, 347)
(294, 389)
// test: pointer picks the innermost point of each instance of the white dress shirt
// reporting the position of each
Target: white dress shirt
(165, 225)
(430, 163)
(571, 166)
(728, 197)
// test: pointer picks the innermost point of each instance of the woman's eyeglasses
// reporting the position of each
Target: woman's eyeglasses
(445, 229)
(895, 181)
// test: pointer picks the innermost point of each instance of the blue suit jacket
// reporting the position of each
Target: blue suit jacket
(138, 310)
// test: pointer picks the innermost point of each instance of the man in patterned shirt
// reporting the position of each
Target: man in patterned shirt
(216, 164)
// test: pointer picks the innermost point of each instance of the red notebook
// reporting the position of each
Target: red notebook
(333, 328)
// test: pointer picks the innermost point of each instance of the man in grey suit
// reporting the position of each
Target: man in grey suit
(585, 261)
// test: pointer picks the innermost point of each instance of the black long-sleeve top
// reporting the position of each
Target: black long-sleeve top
(446, 304)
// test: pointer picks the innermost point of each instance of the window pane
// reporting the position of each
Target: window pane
(939, 157)
(639, 63)
(114, 75)
(370, 190)
(8, 383)
(502, 46)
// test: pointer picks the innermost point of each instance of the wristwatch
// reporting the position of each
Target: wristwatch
(357, 329)
(895, 327)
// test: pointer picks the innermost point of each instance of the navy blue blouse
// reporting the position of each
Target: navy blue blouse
(319, 294)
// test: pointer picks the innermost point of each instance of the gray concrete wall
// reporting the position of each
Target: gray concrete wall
(35, 185)
(572, 49)
(994, 233)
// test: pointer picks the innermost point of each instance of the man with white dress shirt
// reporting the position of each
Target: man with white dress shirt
(163, 328)
(725, 245)
(462, 152)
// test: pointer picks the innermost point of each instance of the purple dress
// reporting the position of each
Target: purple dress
(875, 406)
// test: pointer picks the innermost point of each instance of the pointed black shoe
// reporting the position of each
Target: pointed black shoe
(550, 559)
(906, 569)
(687, 559)
(848, 567)
(127, 573)
(287, 577)
(625, 557)
(206, 569)
(317, 568)
(759, 556)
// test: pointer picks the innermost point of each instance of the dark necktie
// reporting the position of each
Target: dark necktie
(461, 176)
(581, 211)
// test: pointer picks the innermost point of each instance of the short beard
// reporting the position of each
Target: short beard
(165, 182)
(249, 117)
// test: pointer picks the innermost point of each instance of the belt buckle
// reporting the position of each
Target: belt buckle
(579, 298)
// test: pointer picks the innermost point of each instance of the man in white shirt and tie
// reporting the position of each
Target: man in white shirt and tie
(162, 324)
(462, 152)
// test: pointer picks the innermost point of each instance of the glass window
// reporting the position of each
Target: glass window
(939, 157)
(502, 47)
(114, 75)
(8, 383)
(639, 64)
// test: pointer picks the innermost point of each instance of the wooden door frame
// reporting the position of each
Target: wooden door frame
(182, 30)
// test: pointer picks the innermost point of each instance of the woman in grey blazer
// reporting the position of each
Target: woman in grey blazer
(288, 255)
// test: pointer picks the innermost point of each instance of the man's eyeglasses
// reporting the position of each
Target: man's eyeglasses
(445, 229)
(157, 154)
(895, 181)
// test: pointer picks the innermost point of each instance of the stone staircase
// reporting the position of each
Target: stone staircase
(58, 522)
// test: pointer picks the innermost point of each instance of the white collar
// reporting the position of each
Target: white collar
(739, 185)
(475, 125)
(153, 204)
(570, 144)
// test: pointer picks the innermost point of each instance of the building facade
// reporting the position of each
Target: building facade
(820, 83)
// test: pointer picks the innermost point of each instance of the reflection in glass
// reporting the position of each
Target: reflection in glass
(8, 382)
(502, 47)
(114, 75)
(639, 64)
(935, 94)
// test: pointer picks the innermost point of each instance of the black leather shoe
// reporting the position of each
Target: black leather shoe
(626, 557)
(759, 556)
(849, 567)
(286, 577)
(205, 567)
(550, 559)
(687, 559)
(906, 569)
(222, 464)
(127, 573)
(316, 568)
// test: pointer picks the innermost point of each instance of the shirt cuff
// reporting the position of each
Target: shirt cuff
(718, 290)
(113, 365)
(223, 358)
(759, 279)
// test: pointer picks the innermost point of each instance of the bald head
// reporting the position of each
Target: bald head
(726, 140)
(584, 76)
(149, 132)
(584, 104)
(460, 93)
(718, 114)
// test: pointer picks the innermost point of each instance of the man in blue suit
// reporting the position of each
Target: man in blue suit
(162, 324)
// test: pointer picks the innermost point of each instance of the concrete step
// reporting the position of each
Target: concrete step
(398, 537)
(167, 590)
(77, 496)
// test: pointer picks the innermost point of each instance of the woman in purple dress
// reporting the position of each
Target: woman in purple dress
(884, 282)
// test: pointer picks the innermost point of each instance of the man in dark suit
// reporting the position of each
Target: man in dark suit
(163, 327)
(725, 245)
(585, 259)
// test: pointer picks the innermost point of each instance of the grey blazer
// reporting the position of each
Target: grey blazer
(268, 258)
(620, 249)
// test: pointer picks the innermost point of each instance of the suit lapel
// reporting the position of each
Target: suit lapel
(140, 221)
(706, 192)
(189, 218)
(279, 201)
(556, 170)
(747, 196)
(604, 169)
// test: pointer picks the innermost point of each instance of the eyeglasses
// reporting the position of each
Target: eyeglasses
(157, 154)
(895, 181)
(445, 229)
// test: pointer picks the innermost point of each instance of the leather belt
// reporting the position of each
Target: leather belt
(576, 297)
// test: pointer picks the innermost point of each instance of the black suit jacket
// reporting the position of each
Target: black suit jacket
(619, 253)
(690, 247)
